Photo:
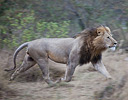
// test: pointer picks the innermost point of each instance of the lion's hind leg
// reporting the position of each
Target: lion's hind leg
(27, 63)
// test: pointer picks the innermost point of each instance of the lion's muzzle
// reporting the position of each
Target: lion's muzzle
(113, 48)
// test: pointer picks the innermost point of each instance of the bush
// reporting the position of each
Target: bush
(23, 26)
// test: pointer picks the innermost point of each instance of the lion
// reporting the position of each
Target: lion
(85, 47)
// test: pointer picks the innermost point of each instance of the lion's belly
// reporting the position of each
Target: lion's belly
(57, 57)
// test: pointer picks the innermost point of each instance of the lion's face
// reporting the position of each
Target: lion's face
(104, 38)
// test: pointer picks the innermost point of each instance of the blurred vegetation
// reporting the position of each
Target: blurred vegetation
(26, 20)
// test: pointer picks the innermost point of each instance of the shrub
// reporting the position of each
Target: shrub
(23, 26)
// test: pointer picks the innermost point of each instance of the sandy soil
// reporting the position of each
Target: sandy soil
(86, 83)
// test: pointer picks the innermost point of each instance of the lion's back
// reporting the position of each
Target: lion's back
(57, 49)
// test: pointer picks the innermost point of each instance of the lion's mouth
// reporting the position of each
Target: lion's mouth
(113, 48)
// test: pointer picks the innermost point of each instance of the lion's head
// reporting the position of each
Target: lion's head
(104, 38)
(95, 41)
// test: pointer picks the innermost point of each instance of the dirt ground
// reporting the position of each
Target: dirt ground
(87, 84)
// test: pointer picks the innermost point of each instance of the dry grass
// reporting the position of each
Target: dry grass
(115, 90)
(5, 91)
(87, 84)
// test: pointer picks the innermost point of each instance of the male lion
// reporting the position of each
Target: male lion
(83, 48)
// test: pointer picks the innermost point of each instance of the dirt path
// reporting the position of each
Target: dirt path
(84, 86)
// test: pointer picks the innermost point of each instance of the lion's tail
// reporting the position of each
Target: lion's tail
(15, 55)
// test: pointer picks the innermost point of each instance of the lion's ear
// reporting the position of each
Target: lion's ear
(108, 29)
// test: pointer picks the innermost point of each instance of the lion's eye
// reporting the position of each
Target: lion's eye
(98, 32)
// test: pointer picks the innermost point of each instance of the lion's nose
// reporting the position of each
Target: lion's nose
(115, 43)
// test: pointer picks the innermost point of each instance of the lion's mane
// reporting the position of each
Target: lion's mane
(89, 51)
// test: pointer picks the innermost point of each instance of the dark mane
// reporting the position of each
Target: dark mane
(88, 51)
(86, 32)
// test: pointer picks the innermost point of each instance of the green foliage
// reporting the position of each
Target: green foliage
(24, 27)
(26, 20)
(53, 29)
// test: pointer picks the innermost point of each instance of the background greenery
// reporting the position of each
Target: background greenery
(26, 20)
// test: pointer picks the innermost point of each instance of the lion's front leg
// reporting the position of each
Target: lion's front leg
(72, 64)
(101, 68)
(69, 72)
